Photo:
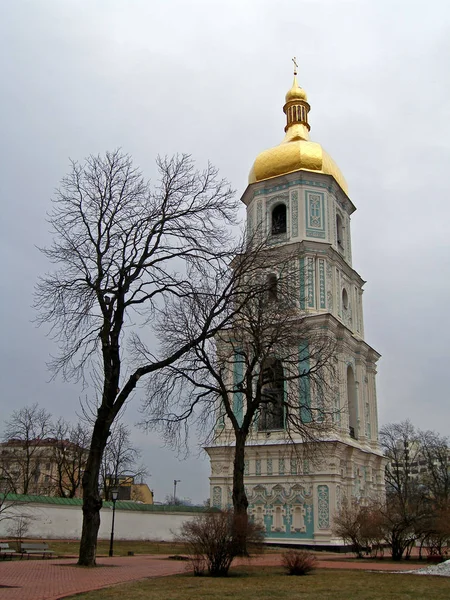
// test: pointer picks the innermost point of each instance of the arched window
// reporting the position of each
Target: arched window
(344, 299)
(279, 219)
(339, 232)
(351, 399)
(272, 287)
(272, 408)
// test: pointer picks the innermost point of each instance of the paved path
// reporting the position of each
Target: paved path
(52, 579)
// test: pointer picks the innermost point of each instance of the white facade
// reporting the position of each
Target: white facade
(296, 498)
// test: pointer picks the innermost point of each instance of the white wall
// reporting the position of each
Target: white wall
(64, 522)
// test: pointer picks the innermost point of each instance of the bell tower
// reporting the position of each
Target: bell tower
(297, 197)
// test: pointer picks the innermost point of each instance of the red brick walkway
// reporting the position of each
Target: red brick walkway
(54, 579)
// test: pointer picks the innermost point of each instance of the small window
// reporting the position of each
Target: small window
(272, 287)
(272, 410)
(279, 219)
(339, 232)
(344, 299)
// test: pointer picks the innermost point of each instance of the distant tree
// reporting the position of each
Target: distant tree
(122, 250)
(400, 444)
(21, 454)
(171, 501)
(417, 485)
(120, 458)
(70, 450)
(434, 464)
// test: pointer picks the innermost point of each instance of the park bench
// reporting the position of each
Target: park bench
(27, 549)
(6, 551)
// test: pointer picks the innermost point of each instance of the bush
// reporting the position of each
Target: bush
(298, 562)
(215, 538)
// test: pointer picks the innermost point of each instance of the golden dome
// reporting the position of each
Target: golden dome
(296, 92)
(296, 152)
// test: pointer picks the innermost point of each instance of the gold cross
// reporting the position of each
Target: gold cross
(294, 60)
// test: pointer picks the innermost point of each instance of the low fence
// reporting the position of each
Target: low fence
(61, 518)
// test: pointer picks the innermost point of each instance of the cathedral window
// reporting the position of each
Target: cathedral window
(339, 232)
(272, 287)
(344, 299)
(279, 219)
(352, 403)
(272, 407)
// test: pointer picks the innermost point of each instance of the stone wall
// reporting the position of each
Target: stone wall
(52, 521)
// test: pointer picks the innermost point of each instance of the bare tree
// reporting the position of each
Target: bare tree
(70, 450)
(359, 522)
(122, 250)
(119, 459)
(256, 376)
(417, 485)
(21, 453)
(434, 467)
(400, 443)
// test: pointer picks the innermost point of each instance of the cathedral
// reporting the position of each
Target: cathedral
(298, 195)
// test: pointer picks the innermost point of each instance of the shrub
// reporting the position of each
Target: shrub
(298, 562)
(215, 538)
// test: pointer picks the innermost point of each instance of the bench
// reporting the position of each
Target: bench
(35, 548)
(6, 551)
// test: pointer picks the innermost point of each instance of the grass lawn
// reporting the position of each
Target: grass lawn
(267, 583)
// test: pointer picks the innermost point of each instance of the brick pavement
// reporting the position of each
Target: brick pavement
(52, 579)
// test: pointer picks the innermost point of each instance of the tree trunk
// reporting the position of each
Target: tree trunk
(92, 502)
(240, 502)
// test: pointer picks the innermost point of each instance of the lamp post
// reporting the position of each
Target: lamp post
(114, 495)
(175, 481)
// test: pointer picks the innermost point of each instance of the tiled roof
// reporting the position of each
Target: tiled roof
(120, 504)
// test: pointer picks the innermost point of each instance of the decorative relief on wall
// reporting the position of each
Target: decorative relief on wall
(259, 219)
(322, 301)
(281, 467)
(337, 407)
(269, 466)
(250, 221)
(338, 497)
(217, 496)
(338, 292)
(246, 468)
(282, 508)
(258, 466)
(348, 239)
(330, 287)
(216, 468)
(315, 214)
(293, 466)
(302, 283)
(367, 415)
(311, 283)
(294, 213)
(357, 315)
(323, 506)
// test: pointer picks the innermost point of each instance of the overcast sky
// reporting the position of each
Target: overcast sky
(208, 78)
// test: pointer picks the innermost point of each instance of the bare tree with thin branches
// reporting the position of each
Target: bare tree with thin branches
(251, 379)
(70, 450)
(21, 452)
(119, 459)
(121, 250)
